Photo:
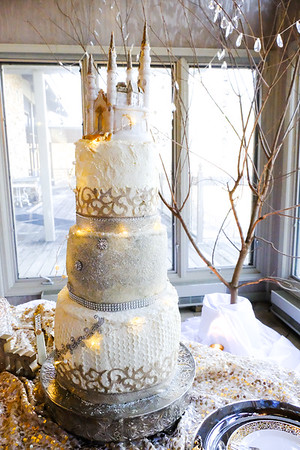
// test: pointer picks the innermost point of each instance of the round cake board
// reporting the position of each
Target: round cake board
(121, 421)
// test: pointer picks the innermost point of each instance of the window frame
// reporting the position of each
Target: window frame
(294, 141)
(188, 282)
(278, 264)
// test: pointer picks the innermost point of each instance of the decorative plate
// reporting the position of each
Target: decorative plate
(266, 435)
(251, 423)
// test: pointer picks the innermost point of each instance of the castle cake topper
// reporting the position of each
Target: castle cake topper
(124, 108)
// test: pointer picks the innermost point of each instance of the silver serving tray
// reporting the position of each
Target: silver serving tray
(217, 428)
(106, 422)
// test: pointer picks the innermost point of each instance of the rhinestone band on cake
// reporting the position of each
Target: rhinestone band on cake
(111, 224)
(113, 307)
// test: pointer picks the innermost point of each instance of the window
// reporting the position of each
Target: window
(296, 223)
(42, 106)
(214, 151)
(43, 120)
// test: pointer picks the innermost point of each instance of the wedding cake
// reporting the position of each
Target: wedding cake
(117, 323)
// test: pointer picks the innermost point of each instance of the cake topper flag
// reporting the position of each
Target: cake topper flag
(124, 107)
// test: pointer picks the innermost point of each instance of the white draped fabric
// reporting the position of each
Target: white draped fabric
(236, 328)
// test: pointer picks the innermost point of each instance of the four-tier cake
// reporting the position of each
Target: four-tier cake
(117, 323)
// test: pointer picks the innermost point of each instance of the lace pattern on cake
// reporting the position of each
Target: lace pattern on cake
(115, 202)
(116, 380)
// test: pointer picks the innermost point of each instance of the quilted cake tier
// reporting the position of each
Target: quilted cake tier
(102, 353)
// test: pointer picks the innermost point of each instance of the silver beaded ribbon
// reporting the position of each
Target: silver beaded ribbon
(113, 307)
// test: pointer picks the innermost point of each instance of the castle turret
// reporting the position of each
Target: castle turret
(122, 108)
(129, 79)
(144, 67)
(111, 82)
(91, 95)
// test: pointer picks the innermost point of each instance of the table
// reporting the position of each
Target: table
(221, 378)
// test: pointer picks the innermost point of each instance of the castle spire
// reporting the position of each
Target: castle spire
(129, 79)
(90, 65)
(90, 97)
(111, 83)
(112, 56)
(144, 68)
(145, 40)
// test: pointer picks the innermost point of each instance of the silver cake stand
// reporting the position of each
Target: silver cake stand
(123, 421)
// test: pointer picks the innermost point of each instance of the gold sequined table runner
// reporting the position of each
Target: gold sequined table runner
(221, 378)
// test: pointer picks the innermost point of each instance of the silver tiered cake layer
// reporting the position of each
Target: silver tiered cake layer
(117, 260)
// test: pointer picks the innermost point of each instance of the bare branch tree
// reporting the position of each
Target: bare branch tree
(273, 57)
(269, 77)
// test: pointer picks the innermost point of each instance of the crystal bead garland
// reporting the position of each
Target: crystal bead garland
(239, 40)
(224, 23)
(211, 4)
(298, 26)
(221, 54)
(235, 21)
(229, 29)
(279, 40)
(217, 12)
(257, 45)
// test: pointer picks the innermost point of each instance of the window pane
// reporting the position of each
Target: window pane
(161, 130)
(161, 127)
(296, 259)
(296, 264)
(43, 119)
(214, 149)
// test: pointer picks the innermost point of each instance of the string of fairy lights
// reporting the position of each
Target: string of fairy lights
(230, 24)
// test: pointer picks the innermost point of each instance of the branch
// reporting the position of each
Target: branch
(276, 249)
(273, 213)
(230, 193)
(170, 188)
(218, 235)
(178, 215)
(285, 284)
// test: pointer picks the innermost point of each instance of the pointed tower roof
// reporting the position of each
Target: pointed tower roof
(145, 41)
(90, 65)
(111, 53)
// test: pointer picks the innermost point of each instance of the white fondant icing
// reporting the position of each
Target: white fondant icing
(144, 339)
(116, 164)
